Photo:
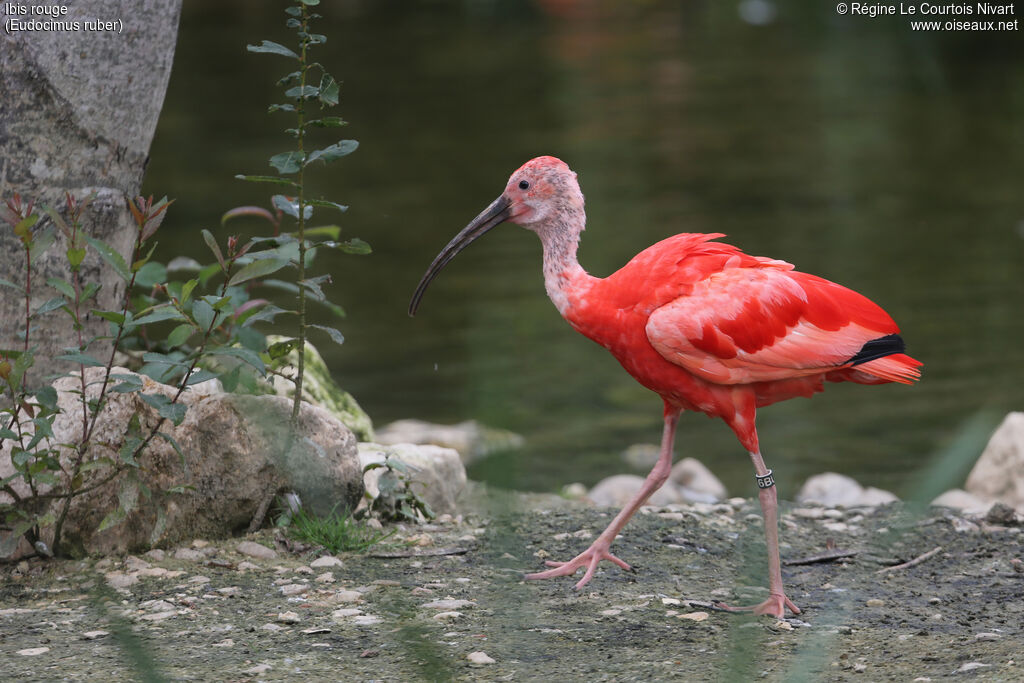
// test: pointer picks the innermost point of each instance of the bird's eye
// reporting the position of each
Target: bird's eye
(524, 184)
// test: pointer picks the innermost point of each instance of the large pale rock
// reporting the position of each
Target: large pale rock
(958, 499)
(617, 490)
(471, 439)
(233, 456)
(698, 483)
(834, 490)
(999, 473)
(436, 474)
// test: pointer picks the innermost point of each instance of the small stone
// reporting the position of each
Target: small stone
(325, 561)
(272, 627)
(610, 612)
(230, 591)
(987, 636)
(157, 572)
(345, 596)
(156, 555)
(582, 533)
(934, 601)
(541, 554)
(227, 642)
(256, 550)
(326, 577)
(875, 602)
(120, 580)
(288, 618)
(246, 565)
(33, 651)
(315, 631)
(156, 605)
(479, 658)
(448, 604)
(134, 564)
(303, 570)
(971, 666)
(294, 589)
(366, 620)
(859, 668)
(346, 613)
(159, 616)
(258, 669)
(200, 543)
(93, 635)
(199, 579)
(188, 554)
(781, 625)
(447, 616)
(694, 616)
(671, 601)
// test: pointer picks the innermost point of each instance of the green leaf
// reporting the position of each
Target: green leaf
(266, 314)
(287, 162)
(75, 257)
(41, 241)
(267, 179)
(271, 47)
(8, 283)
(179, 335)
(243, 354)
(355, 246)
(200, 376)
(211, 242)
(186, 290)
(290, 207)
(174, 444)
(327, 205)
(49, 306)
(282, 348)
(334, 152)
(112, 316)
(126, 383)
(175, 412)
(280, 107)
(257, 269)
(204, 314)
(89, 290)
(329, 90)
(164, 312)
(328, 122)
(311, 3)
(81, 359)
(62, 286)
(302, 91)
(150, 274)
(113, 259)
(113, 518)
(335, 335)
(47, 397)
(162, 359)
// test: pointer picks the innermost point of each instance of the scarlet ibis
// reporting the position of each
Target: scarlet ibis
(705, 326)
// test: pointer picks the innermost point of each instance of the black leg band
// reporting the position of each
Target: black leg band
(765, 481)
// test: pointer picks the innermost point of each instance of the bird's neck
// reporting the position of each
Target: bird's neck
(564, 277)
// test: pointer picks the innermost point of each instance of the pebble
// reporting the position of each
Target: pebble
(246, 565)
(256, 550)
(694, 616)
(189, 554)
(230, 591)
(227, 642)
(199, 579)
(366, 620)
(93, 635)
(448, 604)
(134, 564)
(200, 543)
(782, 626)
(294, 589)
(447, 616)
(272, 627)
(671, 601)
(326, 577)
(346, 613)
(258, 669)
(33, 651)
(120, 580)
(610, 612)
(987, 636)
(156, 555)
(159, 616)
(325, 561)
(971, 666)
(480, 658)
(875, 602)
(288, 618)
(303, 570)
(345, 596)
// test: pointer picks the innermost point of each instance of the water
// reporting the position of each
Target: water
(884, 160)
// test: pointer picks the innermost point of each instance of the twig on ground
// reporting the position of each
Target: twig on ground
(917, 560)
(419, 553)
(830, 556)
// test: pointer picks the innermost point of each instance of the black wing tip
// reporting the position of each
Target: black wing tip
(879, 348)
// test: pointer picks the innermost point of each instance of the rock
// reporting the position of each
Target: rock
(958, 499)
(288, 618)
(233, 452)
(320, 389)
(616, 490)
(471, 439)
(999, 473)
(699, 484)
(257, 550)
(831, 489)
(325, 561)
(293, 589)
(189, 554)
(479, 658)
(641, 456)
(93, 635)
(437, 473)
(694, 616)
(34, 651)
(120, 580)
(1003, 514)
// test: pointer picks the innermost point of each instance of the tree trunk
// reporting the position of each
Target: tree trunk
(78, 108)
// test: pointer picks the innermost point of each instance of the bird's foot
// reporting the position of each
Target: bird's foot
(588, 558)
(774, 606)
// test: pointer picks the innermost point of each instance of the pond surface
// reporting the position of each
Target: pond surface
(888, 161)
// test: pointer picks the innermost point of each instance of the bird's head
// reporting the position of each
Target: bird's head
(542, 195)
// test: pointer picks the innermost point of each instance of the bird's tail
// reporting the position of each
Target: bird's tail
(899, 367)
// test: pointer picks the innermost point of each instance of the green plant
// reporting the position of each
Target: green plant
(337, 532)
(304, 90)
(396, 501)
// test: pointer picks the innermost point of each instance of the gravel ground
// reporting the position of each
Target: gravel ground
(446, 601)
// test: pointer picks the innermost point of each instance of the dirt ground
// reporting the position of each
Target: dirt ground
(446, 594)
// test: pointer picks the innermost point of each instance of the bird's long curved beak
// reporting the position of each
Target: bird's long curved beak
(498, 212)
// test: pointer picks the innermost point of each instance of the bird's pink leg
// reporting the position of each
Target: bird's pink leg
(777, 602)
(600, 549)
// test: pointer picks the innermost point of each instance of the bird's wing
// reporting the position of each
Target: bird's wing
(765, 322)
